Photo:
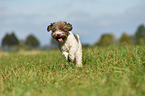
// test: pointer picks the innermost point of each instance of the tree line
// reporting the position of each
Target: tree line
(137, 38)
(10, 40)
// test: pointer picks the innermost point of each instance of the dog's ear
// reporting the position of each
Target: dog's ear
(69, 26)
(50, 27)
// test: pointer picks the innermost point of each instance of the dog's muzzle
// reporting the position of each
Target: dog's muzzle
(59, 37)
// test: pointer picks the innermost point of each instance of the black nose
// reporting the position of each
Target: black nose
(58, 34)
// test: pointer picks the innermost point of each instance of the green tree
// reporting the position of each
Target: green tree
(140, 34)
(13, 40)
(125, 38)
(32, 41)
(5, 40)
(10, 40)
(106, 40)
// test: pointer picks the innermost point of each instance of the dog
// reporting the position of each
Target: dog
(69, 44)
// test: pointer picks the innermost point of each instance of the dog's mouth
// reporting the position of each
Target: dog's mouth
(59, 39)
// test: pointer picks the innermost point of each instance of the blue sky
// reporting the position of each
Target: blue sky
(90, 18)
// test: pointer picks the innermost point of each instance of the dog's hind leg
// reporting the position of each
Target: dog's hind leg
(79, 56)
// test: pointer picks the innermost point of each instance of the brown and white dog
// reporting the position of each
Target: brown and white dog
(69, 44)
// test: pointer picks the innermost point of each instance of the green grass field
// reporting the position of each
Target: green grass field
(111, 71)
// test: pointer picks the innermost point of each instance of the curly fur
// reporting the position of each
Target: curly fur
(69, 44)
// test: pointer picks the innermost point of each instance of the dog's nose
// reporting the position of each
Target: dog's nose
(58, 34)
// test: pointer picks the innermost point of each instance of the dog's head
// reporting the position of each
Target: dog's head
(60, 30)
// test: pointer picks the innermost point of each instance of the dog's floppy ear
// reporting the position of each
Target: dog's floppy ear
(50, 27)
(69, 27)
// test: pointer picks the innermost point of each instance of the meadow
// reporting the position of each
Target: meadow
(107, 71)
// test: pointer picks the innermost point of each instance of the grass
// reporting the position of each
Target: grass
(111, 71)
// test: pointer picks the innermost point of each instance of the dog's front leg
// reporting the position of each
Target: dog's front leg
(65, 55)
(71, 55)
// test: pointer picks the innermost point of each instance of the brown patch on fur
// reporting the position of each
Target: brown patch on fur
(76, 37)
(50, 27)
(61, 25)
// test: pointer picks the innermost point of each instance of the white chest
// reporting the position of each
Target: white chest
(65, 47)
(70, 43)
